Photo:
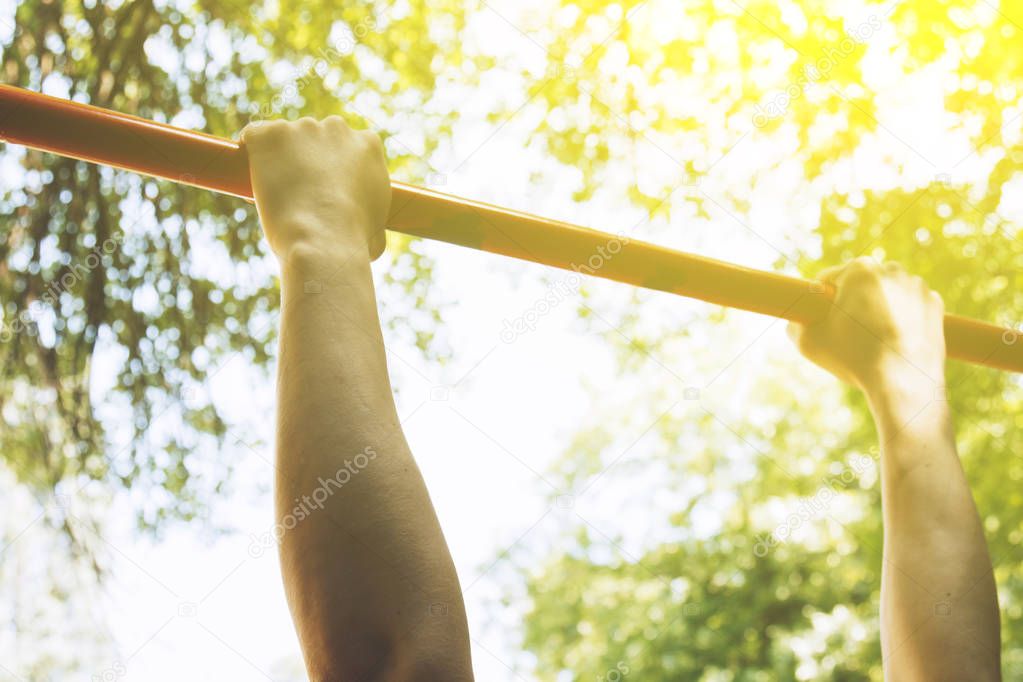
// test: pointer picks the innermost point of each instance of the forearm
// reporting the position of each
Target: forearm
(363, 569)
(939, 606)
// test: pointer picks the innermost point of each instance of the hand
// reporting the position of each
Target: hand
(320, 187)
(883, 320)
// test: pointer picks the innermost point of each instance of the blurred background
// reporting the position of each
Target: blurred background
(634, 486)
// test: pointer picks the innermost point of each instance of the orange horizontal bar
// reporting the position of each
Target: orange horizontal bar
(101, 136)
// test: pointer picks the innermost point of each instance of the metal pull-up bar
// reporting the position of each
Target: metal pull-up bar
(101, 136)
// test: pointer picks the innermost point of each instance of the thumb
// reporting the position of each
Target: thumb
(377, 244)
(795, 332)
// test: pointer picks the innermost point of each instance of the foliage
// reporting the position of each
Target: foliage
(167, 283)
(887, 129)
(735, 602)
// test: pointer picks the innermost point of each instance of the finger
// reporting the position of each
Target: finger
(372, 136)
(893, 267)
(256, 133)
(861, 265)
(378, 244)
(335, 122)
(795, 332)
(831, 275)
(249, 133)
(859, 272)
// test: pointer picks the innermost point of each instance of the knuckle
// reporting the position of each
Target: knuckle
(255, 129)
(276, 127)
(854, 271)
(250, 132)
(259, 132)
(860, 275)
(863, 263)
(863, 270)
(894, 267)
(832, 274)
(335, 122)
(373, 141)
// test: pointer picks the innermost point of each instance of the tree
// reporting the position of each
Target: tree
(165, 282)
(122, 296)
(783, 583)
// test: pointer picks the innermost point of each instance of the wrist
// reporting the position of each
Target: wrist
(894, 373)
(899, 391)
(317, 269)
(301, 242)
(303, 255)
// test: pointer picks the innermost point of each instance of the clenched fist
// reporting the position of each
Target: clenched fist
(321, 188)
(882, 320)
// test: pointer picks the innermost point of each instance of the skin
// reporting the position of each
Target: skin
(368, 576)
(939, 608)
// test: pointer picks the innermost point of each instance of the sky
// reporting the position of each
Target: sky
(197, 604)
(486, 428)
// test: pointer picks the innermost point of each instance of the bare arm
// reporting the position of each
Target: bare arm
(368, 576)
(939, 608)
